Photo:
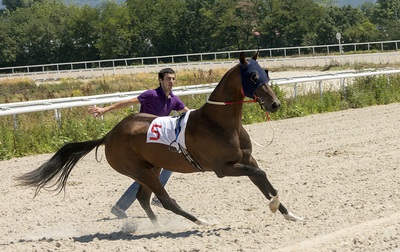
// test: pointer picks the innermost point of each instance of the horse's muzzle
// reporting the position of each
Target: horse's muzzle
(270, 107)
(275, 106)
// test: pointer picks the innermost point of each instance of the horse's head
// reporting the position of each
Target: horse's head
(255, 84)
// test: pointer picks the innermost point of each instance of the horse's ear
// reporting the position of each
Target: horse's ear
(242, 58)
(255, 55)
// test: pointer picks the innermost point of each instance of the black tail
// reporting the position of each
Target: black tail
(59, 166)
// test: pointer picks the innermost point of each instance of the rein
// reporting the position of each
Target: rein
(273, 133)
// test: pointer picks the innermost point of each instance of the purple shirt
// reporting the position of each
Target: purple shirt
(156, 103)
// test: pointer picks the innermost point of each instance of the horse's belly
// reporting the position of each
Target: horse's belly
(166, 157)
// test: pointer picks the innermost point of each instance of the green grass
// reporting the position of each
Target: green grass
(39, 132)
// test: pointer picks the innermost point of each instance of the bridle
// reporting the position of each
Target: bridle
(256, 99)
(229, 103)
(253, 77)
(248, 90)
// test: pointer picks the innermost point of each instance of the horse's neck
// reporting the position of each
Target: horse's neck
(223, 114)
(228, 90)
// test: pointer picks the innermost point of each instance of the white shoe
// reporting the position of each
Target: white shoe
(119, 212)
(156, 202)
(291, 217)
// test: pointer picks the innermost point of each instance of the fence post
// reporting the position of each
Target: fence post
(343, 84)
(57, 115)
(15, 119)
(320, 88)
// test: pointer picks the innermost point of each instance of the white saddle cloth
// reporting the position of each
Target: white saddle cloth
(162, 131)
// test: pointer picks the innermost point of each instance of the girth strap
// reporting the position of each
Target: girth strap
(184, 151)
(190, 159)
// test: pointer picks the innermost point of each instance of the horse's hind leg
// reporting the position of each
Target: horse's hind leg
(150, 180)
(143, 196)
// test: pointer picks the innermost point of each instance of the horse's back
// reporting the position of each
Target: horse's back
(125, 139)
(127, 150)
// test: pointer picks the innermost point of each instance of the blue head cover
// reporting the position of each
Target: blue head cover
(253, 76)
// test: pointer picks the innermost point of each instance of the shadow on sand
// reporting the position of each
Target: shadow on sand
(132, 237)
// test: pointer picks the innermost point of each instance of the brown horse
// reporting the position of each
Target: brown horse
(215, 141)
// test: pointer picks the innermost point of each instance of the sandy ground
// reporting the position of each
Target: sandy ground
(341, 171)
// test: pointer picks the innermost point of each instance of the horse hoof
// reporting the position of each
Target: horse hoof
(291, 217)
(274, 204)
(201, 222)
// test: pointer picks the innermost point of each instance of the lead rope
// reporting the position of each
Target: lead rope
(273, 134)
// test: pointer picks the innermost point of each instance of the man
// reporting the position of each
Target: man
(160, 102)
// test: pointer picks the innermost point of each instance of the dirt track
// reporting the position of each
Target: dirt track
(339, 170)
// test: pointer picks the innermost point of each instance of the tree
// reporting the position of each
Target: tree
(48, 31)
(169, 35)
(81, 34)
(197, 33)
(290, 22)
(36, 31)
(361, 32)
(369, 9)
(389, 9)
(144, 25)
(114, 32)
(324, 32)
(236, 22)
(327, 3)
(224, 34)
(12, 5)
(387, 18)
(8, 44)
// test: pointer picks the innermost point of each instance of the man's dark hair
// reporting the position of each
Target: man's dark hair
(164, 71)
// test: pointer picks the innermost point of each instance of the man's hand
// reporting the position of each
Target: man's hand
(96, 111)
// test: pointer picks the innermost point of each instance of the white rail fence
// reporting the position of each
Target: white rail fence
(62, 103)
(383, 58)
(196, 58)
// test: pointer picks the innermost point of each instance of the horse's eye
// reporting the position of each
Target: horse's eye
(254, 78)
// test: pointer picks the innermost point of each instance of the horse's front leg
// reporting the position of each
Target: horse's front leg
(259, 178)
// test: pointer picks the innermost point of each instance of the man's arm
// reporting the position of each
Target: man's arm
(99, 111)
(185, 109)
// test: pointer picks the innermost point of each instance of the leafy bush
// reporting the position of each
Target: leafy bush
(373, 90)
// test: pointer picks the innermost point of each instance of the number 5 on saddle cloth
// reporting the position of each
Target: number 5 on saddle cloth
(171, 131)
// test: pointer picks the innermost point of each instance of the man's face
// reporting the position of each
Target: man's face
(168, 81)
